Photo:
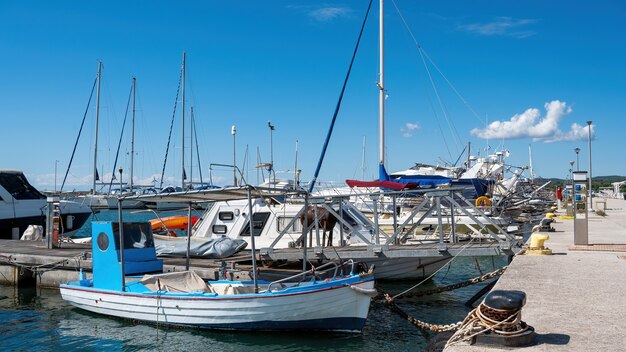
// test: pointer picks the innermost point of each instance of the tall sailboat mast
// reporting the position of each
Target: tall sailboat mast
(183, 107)
(381, 86)
(95, 149)
(132, 135)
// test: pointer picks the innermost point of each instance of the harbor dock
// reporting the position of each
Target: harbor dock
(31, 263)
(575, 297)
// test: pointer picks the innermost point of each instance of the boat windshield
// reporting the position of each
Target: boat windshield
(16, 184)
(136, 235)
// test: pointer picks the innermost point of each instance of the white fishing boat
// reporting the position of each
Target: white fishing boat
(128, 283)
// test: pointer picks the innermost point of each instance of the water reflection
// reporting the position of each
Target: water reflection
(39, 320)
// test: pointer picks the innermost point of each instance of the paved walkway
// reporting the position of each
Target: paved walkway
(576, 300)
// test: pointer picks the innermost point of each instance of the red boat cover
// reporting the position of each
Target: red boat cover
(382, 184)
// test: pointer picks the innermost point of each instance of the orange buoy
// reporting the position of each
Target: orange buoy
(167, 224)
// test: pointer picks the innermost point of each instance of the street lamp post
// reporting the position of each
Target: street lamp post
(577, 150)
(271, 168)
(56, 163)
(121, 183)
(571, 176)
(590, 190)
(233, 131)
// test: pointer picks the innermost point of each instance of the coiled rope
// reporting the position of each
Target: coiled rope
(484, 318)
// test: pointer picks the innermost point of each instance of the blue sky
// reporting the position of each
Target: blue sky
(533, 73)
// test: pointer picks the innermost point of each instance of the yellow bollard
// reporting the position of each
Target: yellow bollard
(536, 246)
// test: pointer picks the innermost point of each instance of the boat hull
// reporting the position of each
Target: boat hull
(405, 268)
(13, 225)
(344, 308)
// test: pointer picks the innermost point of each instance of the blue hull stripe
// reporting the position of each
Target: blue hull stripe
(328, 324)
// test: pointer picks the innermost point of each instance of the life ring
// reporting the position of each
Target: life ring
(483, 201)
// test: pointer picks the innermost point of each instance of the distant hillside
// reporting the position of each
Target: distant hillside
(597, 182)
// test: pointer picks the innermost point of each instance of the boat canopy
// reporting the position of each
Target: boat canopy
(383, 184)
(217, 194)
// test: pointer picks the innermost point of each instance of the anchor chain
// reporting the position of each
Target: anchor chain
(436, 327)
(458, 285)
(418, 323)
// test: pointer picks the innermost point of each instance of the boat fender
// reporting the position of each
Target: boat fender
(372, 292)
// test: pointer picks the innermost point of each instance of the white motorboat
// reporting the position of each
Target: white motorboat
(22, 205)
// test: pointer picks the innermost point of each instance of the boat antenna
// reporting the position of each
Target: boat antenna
(343, 89)
(363, 160)
(295, 169)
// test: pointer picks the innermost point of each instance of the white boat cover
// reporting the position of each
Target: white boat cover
(32, 233)
(182, 281)
(215, 248)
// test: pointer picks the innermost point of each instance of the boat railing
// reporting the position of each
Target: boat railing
(316, 271)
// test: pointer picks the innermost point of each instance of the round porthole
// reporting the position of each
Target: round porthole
(103, 241)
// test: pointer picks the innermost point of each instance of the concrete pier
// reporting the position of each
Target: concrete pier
(59, 265)
(576, 298)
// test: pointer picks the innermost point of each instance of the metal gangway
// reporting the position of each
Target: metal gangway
(439, 207)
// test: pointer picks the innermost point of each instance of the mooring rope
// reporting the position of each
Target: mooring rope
(433, 274)
(429, 326)
(455, 286)
(42, 268)
(484, 318)
(390, 300)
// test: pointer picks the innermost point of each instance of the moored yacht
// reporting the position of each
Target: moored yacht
(21, 205)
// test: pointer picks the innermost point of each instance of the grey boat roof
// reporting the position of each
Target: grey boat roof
(217, 194)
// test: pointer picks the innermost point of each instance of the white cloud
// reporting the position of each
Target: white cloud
(325, 14)
(576, 133)
(412, 126)
(501, 26)
(408, 129)
(530, 124)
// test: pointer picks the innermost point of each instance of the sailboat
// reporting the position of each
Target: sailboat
(112, 197)
(97, 200)
(94, 200)
(183, 187)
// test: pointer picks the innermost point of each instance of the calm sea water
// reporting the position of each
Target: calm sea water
(39, 320)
